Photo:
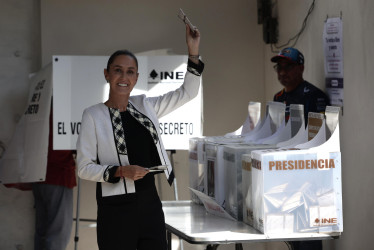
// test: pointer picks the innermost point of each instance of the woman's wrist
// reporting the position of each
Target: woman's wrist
(194, 56)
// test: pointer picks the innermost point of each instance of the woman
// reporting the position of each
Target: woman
(119, 140)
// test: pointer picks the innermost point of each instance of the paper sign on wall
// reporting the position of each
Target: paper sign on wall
(333, 48)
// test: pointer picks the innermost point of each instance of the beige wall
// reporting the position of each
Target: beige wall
(19, 56)
(237, 71)
(356, 123)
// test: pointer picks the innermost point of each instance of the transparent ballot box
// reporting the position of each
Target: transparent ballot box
(299, 189)
(232, 163)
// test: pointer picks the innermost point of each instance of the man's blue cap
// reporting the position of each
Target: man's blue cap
(291, 54)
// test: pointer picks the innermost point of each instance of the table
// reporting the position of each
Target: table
(192, 223)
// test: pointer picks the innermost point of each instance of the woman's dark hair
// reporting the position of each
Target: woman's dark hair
(120, 53)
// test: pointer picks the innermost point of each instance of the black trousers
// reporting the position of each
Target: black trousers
(135, 223)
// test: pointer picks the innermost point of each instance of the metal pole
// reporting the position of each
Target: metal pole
(175, 188)
(175, 176)
(76, 238)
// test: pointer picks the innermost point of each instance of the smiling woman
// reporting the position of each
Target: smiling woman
(120, 140)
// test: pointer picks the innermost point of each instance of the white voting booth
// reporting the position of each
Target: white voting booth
(25, 159)
(78, 82)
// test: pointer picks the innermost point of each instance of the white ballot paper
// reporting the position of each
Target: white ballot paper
(211, 205)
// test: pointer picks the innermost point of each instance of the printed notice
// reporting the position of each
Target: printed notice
(333, 49)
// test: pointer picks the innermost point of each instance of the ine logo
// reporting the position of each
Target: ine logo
(325, 221)
(155, 76)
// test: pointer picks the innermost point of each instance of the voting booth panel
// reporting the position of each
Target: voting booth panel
(25, 160)
(78, 82)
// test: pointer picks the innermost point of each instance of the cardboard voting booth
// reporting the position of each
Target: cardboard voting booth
(274, 119)
(298, 190)
(254, 116)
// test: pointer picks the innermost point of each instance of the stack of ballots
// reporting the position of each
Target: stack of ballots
(297, 187)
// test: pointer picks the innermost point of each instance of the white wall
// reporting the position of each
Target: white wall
(238, 70)
(19, 56)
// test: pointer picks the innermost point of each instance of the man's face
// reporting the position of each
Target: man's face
(290, 74)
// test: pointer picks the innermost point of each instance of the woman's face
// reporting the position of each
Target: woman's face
(122, 75)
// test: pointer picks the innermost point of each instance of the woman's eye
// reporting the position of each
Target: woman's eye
(130, 72)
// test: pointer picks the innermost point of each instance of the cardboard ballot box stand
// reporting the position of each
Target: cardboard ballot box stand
(299, 190)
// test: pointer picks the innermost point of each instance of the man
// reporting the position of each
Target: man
(54, 199)
(290, 67)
